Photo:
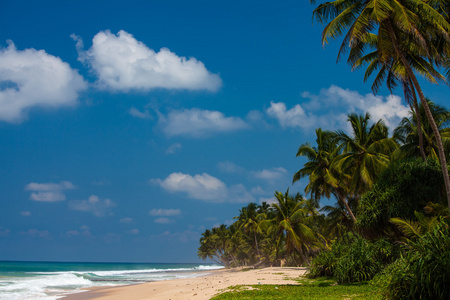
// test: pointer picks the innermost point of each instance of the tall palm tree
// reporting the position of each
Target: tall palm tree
(323, 178)
(291, 226)
(407, 132)
(249, 222)
(393, 72)
(365, 153)
(404, 26)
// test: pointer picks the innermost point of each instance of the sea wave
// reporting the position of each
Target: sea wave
(53, 285)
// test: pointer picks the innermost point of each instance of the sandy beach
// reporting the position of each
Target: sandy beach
(201, 288)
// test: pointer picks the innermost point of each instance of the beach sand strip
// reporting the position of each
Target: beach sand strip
(200, 288)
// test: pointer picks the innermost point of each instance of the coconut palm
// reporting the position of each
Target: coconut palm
(291, 226)
(407, 132)
(393, 72)
(323, 178)
(249, 223)
(365, 153)
(403, 26)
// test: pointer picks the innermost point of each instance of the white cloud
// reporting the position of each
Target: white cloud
(271, 175)
(163, 220)
(173, 148)
(160, 212)
(33, 78)
(229, 167)
(49, 192)
(139, 114)
(84, 231)
(198, 123)
(122, 63)
(93, 205)
(204, 187)
(267, 200)
(337, 103)
(294, 117)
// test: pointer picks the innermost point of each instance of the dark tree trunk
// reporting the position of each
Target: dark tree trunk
(430, 118)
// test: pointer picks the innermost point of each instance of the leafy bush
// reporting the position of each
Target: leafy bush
(354, 260)
(423, 272)
(404, 187)
(325, 262)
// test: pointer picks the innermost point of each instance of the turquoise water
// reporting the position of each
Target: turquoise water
(53, 280)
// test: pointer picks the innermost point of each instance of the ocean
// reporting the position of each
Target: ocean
(54, 280)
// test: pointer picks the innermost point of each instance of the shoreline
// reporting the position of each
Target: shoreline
(202, 288)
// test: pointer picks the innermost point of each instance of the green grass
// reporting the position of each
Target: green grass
(320, 288)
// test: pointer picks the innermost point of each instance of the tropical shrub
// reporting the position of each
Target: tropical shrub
(354, 259)
(423, 272)
(404, 187)
(325, 262)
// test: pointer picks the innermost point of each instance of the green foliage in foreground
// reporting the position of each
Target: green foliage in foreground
(354, 259)
(423, 272)
(317, 289)
(404, 187)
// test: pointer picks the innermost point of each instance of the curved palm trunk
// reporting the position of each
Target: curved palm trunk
(424, 102)
(347, 207)
(256, 244)
(419, 123)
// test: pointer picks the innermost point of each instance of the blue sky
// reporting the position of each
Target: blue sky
(129, 127)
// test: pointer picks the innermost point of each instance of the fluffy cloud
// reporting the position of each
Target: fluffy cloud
(229, 167)
(93, 205)
(164, 212)
(198, 123)
(294, 117)
(49, 192)
(173, 148)
(139, 114)
(271, 175)
(163, 221)
(83, 231)
(33, 78)
(337, 102)
(122, 63)
(204, 187)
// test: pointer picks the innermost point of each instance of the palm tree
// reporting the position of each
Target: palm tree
(407, 132)
(291, 226)
(323, 178)
(404, 26)
(365, 153)
(249, 222)
(393, 72)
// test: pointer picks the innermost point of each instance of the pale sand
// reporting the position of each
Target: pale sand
(201, 288)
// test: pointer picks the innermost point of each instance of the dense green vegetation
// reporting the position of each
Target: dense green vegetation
(390, 224)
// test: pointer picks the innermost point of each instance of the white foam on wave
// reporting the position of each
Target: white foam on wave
(53, 285)
(41, 287)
